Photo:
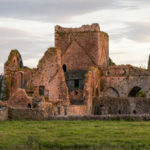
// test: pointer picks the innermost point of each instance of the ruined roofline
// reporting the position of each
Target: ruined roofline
(125, 67)
(13, 52)
(84, 28)
(51, 51)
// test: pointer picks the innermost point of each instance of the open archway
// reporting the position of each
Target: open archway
(111, 92)
(136, 92)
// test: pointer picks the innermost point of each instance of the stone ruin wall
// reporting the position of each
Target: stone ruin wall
(4, 93)
(115, 106)
(103, 46)
(107, 90)
(15, 73)
(91, 87)
(20, 99)
(50, 77)
(118, 81)
(82, 47)
(19, 79)
(3, 113)
(42, 114)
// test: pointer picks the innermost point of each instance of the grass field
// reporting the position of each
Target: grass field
(74, 134)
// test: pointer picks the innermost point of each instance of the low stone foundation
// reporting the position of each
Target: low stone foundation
(105, 108)
(77, 110)
(109, 105)
(29, 114)
(25, 113)
(142, 117)
(3, 113)
(44, 114)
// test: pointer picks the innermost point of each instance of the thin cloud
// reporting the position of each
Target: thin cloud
(29, 45)
(118, 53)
(60, 11)
(11, 32)
(53, 10)
(138, 31)
(135, 31)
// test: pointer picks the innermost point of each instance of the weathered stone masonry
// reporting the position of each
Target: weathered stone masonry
(76, 77)
(81, 48)
(4, 92)
(125, 81)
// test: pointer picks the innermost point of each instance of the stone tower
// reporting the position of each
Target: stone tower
(82, 47)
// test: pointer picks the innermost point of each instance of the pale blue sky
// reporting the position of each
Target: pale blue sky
(28, 25)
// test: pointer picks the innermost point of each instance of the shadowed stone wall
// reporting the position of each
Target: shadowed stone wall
(3, 113)
(81, 49)
(109, 105)
(70, 76)
(40, 114)
(49, 80)
(91, 87)
(124, 81)
(15, 73)
(4, 92)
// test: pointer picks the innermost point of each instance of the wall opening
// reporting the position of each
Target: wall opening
(134, 91)
(108, 73)
(98, 109)
(64, 67)
(14, 61)
(97, 93)
(21, 80)
(76, 83)
(134, 111)
(65, 110)
(29, 105)
(58, 109)
(20, 64)
(109, 110)
(41, 90)
(76, 92)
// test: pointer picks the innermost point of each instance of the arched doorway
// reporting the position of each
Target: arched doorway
(64, 67)
(136, 92)
(111, 92)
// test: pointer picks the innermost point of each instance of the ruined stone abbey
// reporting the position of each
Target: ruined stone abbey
(74, 78)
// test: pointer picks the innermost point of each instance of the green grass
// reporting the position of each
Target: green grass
(71, 134)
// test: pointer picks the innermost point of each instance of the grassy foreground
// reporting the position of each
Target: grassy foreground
(74, 134)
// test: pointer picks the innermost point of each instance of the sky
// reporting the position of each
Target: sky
(28, 25)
